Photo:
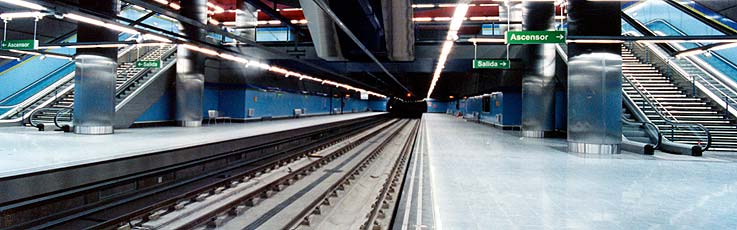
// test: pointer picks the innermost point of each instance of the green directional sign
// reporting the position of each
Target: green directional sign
(148, 64)
(491, 64)
(535, 37)
(20, 44)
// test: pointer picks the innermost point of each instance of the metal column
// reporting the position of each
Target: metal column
(94, 80)
(594, 79)
(190, 83)
(245, 19)
(538, 83)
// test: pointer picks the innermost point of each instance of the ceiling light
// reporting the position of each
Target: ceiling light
(84, 19)
(25, 4)
(10, 16)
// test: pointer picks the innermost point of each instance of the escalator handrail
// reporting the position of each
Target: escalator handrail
(696, 15)
(33, 114)
(645, 126)
(47, 76)
(129, 82)
(70, 110)
(667, 120)
(680, 32)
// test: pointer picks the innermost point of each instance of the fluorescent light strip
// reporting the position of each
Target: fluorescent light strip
(96, 22)
(11, 16)
(459, 15)
(487, 40)
(275, 69)
(24, 4)
(9, 57)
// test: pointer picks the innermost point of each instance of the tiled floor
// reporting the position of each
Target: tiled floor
(485, 178)
(25, 150)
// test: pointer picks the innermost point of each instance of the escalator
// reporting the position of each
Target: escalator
(52, 96)
(130, 82)
(697, 89)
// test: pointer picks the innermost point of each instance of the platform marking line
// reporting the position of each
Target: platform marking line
(408, 205)
(418, 218)
(437, 222)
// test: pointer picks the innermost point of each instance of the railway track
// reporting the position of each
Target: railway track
(355, 176)
(157, 193)
(356, 180)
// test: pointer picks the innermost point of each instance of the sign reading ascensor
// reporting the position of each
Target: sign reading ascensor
(535, 37)
(491, 64)
(148, 64)
(20, 44)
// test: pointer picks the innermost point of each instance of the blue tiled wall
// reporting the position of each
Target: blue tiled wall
(435, 106)
(378, 105)
(235, 100)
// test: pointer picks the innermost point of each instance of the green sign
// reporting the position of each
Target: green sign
(535, 37)
(20, 44)
(148, 64)
(491, 64)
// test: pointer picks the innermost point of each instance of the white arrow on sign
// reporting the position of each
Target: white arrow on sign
(560, 36)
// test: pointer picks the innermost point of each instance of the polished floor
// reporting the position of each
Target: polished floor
(24, 150)
(486, 178)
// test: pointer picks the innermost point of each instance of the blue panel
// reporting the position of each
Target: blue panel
(232, 103)
(512, 109)
(210, 99)
(435, 106)
(561, 110)
(162, 110)
(379, 105)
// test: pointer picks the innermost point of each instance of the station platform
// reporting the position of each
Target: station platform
(486, 178)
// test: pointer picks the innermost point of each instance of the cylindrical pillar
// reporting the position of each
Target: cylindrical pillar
(94, 78)
(190, 82)
(513, 11)
(594, 79)
(538, 84)
(245, 19)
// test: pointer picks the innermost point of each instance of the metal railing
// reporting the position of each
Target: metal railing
(129, 82)
(698, 131)
(647, 127)
(693, 71)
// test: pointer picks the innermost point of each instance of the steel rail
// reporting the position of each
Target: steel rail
(71, 215)
(274, 186)
(303, 216)
(400, 165)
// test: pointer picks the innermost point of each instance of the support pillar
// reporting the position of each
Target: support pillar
(594, 79)
(94, 79)
(512, 10)
(190, 82)
(538, 83)
(245, 19)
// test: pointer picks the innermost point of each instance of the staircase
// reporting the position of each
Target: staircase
(675, 104)
(126, 83)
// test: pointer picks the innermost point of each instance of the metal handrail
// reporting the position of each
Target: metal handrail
(638, 86)
(683, 74)
(60, 112)
(31, 85)
(139, 75)
(645, 126)
(673, 124)
(35, 112)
